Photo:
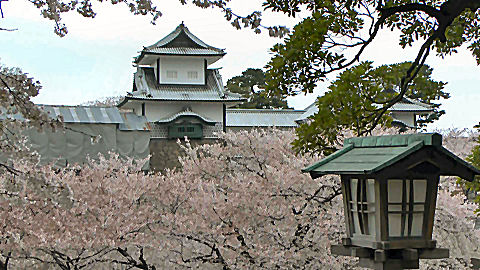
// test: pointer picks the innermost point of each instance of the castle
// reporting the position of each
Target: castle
(174, 94)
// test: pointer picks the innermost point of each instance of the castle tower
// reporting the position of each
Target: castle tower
(177, 92)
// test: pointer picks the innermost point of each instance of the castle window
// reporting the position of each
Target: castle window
(192, 75)
(172, 74)
(185, 130)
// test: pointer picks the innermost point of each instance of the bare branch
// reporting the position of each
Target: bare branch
(8, 30)
(10, 169)
(387, 12)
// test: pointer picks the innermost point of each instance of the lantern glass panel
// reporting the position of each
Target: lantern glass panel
(406, 207)
(419, 198)
(371, 206)
(354, 206)
(362, 205)
(420, 190)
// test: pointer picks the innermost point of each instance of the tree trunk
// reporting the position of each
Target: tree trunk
(4, 265)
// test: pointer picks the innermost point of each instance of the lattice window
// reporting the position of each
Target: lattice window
(362, 205)
(172, 74)
(406, 207)
(192, 75)
(212, 132)
(185, 130)
(158, 131)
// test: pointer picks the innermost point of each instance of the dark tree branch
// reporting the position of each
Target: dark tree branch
(445, 16)
(8, 30)
(405, 81)
(210, 258)
(20, 101)
(433, 12)
(140, 264)
(321, 200)
(10, 169)
(4, 265)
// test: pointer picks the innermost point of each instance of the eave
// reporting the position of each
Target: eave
(139, 58)
(127, 98)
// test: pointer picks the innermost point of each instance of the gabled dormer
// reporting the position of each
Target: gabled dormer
(180, 58)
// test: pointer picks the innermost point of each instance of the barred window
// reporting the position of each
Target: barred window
(406, 207)
(188, 130)
(362, 205)
(192, 75)
(172, 74)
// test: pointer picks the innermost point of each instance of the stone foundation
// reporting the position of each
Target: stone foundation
(165, 152)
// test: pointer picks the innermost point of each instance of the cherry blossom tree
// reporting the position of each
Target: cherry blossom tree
(241, 203)
(17, 111)
(454, 223)
(249, 206)
(104, 102)
(271, 215)
(72, 217)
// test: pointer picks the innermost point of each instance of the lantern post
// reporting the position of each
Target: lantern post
(389, 188)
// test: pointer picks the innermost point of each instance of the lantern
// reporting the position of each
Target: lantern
(389, 187)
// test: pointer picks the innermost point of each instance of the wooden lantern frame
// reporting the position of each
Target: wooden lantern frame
(381, 239)
(380, 159)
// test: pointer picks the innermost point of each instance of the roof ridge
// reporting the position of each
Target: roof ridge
(419, 103)
(395, 140)
(175, 33)
(266, 110)
(75, 106)
(311, 104)
(218, 81)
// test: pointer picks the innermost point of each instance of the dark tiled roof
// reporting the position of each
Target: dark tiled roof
(147, 88)
(84, 114)
(93, 115)
(183, 51)
(180, 42)
(262, 118)
(410, 105)
(185, 113)
(405, 105)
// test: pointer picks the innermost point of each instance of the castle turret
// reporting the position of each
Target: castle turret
(177, 92)
(179, 58)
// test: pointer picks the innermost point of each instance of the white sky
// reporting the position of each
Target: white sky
(94, 60)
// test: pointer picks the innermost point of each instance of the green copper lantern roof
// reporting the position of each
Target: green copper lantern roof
(370, 155)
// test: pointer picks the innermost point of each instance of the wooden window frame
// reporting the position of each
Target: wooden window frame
(189, 130)
(408, 208)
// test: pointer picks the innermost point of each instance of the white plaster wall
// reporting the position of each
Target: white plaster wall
(137, 109)
(158, 110)
(152, 65)
(136, 106)
(213, 111)
(182, 65)
(406, 117)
